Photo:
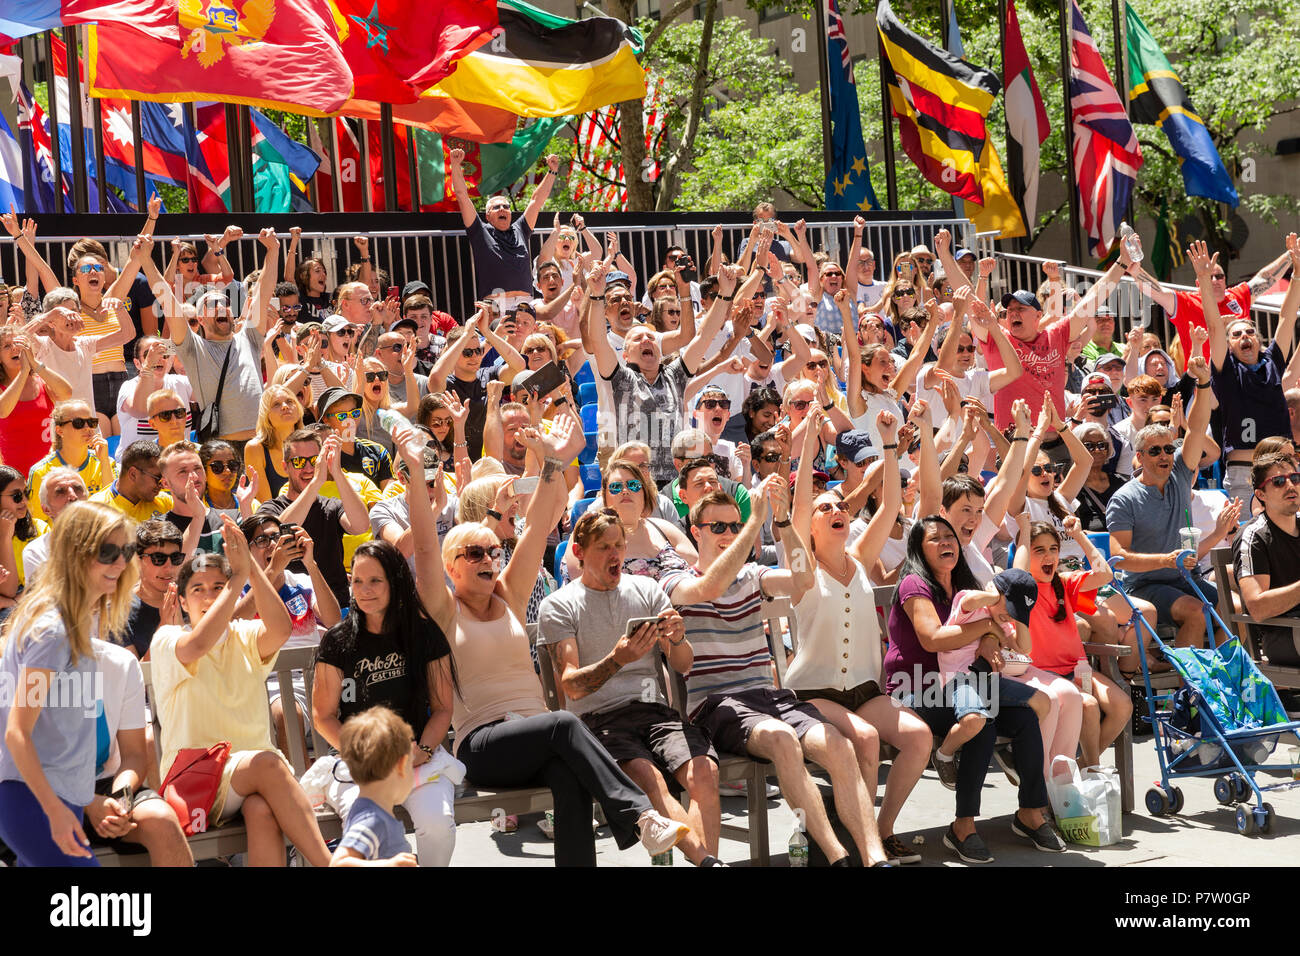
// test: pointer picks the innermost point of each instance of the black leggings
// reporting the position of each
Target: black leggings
(558, 751)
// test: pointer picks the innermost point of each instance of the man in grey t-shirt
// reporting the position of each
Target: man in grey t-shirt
(609, 675)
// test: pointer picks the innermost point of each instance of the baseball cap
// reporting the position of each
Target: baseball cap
(431, 462)
(617, 277)
(855, 446)
(404, 320)
(1022, 296)
(335, 323)
(1107, 358)
(963, 253)
(1020, 590)
(816, 474)
(1105, 312)
(413, 287)
(332, 395)
(710, 390)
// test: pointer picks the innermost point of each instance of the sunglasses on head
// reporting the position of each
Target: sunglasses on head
(1155, 450)
(712, 403)
(477, 552)
(160, 558)
(632, 484)
(303, 461)
(219, 467)
(376, 377)
(342, 417)
(721, 527)
(109, 552)
(80, 422)
(170, 414)
(1280, 481)
(90, 267)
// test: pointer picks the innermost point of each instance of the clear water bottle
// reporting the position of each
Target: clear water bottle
(662, 859)
(1083, 676)
(798, 848)
(1128, 235)
(390, 421)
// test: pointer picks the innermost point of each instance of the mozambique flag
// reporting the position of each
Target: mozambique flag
(440, 113)
(1157, 97)
(282, 54)
(544, 65)
(941, 103)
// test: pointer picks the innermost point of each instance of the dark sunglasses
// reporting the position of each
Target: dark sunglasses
(348, 332)
(303, 461)
(376, 377)
(170, 414)
(712, 403)
(537, 350)
(1280, 481)
(109, 552)
(820, 363)
(477, 552)
(17, 496)
(771, 457)
(80, 422)
(632, 484)
(219, 467)
(1096, 446)
(291, 309)
(159, 558)
(904, 291)
(966, 348)
(189, 259)
(720, 527)
(473, 352)
(800, 404)
(1155, 450)
(1037, 470)
(396, 347)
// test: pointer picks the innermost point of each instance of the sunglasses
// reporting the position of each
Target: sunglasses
(189, 259)
(712, 403)
(291, 309)
(303, 461)
(159, 558)
(348, 332)
(833, 274)
(170, 414)
(1280, 481)
(673, 311)
(473, 352)
(904, 292)
(342, 417)
(375, 377)
(80, 422)
(1038, 470)
(90, 267)
(109, 552)
(632, 484)
(821, 363)
(537, 350)
(1219, 276)
(1239, 332)
(395, 348)
(1155, 450)
(721, 527)
(800, 404)
(771, 457)
(826, 507)
(219, 467)
(477, 552)
(15, 496)
(965, 348)
(923, 258)
(1096, 446)
(440, 422)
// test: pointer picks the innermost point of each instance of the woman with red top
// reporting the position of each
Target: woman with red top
(28, 393)
(1057, 647)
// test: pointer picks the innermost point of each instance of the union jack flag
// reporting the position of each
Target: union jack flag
(43, 193)
(1106, 151)
(835, 31)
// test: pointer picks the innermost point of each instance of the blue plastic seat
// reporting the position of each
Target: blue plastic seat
(580, 508)
(590, 478)
(559, 558)
(113, 442)
(1101, 541)
(588, 414)
(586, 394)
(588, 453)
(584, 374)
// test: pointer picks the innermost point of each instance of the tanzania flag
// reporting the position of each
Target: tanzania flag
(278, 53)
(1157, 97)
(544, 65)
(941, 103)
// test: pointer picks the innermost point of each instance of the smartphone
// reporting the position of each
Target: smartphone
(636, 622)
(393, 292)
(769, 225)
(288, 529)
(545, 380)
(1098, 404)
(525, 486)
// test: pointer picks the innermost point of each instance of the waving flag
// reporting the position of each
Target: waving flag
(1106, 151)
(156, 18)
(1026, 115)
(163, 142)
(400, 48)
(11, 169)
(207, 160)
(848, 186)
(40, 192)
(1157, 97)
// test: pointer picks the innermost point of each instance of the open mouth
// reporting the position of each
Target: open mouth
(1048, 568)
(648, 354)
(615, 568)
(625, 312)
(717, 420)
(967, 531)
(838, 523)
(947, 552)
(486, 574)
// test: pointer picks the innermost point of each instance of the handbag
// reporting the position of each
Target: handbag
(192, 784)
(210, 418)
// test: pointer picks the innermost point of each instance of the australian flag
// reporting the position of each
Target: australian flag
(848, 186)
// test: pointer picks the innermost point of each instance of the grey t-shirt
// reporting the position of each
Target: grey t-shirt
(397, 388)
(1154, 518)
(598, 619)
(651, 413)
(64, 733)
(395, 512)
(243, 389)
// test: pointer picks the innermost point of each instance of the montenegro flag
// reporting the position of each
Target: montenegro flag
(282, 54)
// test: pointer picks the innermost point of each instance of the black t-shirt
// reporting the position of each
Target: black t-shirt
(501, 258)
(1091, 510)
(473, 395)
(1254, 406)
(370, 459)
(209, 538)
(378, 666)
(141, 623)
(1264, 548)
(314, 307)
(324, 523)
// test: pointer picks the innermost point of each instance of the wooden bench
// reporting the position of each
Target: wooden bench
(1229, 600)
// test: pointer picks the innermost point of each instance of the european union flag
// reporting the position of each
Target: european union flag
(1157, 97)
(849, 184)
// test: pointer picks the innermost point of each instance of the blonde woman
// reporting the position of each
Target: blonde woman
(371, 383)
(279, 415)
(295, 379)
(491, 500)
(76, 444)
(48, 753)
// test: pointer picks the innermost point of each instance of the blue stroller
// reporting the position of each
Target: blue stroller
(1224, 723)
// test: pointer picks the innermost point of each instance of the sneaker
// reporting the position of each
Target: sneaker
(658, 833)
(1045, 837)
(1003, 756)
(946, 769)
(546, 825)
(898, 851)
(740, 788)
(971, 849)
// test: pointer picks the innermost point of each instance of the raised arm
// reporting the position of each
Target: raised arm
(22, 236)
(291, 254)
(906, 375)
(866, 549)
(943, 252)
(1263, 280)
(591, 322)
(717, 312)
(543, 190)
(507, 351)
(452, 354)
(1198, 416)
(468, 214)
(212, 626)
(555, 450)
(722, 573)
(430, 577)
(1000, 489)
(266, 279)
(1204, 264)
(1073, 481)
(215, 260)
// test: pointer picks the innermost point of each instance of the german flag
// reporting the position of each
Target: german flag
(543, 65)
(941, 103)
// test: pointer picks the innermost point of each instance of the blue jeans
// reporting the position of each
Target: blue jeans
(26, 830)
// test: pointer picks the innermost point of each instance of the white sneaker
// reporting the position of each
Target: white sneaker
(659, 833)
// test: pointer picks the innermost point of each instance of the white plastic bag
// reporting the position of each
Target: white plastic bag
(1087, 805)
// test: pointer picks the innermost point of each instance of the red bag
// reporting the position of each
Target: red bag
(192, 784)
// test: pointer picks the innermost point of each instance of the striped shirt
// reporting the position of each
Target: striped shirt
(107, 359)
(731, 651)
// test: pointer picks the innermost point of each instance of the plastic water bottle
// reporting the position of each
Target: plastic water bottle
(798, 848)
(390, 420)
(1083, 675)
(1128, 236)
(662, 859)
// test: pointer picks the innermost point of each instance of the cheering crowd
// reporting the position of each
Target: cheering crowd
(599, 473)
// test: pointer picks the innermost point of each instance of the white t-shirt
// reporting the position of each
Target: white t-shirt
(878, 402)
(140, 429)
(1039, 511)
(974, 384)
(122, 696)
(697, 302)
(870, 293)
(74, 366)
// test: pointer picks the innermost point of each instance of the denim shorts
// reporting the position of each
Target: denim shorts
(984, 693)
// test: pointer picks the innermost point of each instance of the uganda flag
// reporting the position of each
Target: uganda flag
(539, 64)
(941, 103)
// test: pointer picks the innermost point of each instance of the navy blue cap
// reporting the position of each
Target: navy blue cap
(1023, 297)
(855, 446)
(1020, 590)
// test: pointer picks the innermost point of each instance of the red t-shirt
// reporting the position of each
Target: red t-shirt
(1056, 644)
(1188, 313)
(25, 434)
(1044, 363)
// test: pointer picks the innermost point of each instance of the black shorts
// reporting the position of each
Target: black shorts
(850, 699)
(729, 719)
(651, 732)
(120, 846)
(106, 386)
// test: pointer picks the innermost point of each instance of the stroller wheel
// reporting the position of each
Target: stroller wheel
(1176, 800)
(1245, 821)
(1224, 790)
(1157, 802)
(1264, 818)
(1243, 787)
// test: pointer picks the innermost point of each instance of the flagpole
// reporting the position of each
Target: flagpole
(98, 117)
(824, 84)
(388, 156)
(1015, 155)
(76, 123)
(191, 121)
(137, 154)
(887, 126)
(414, 171)
(946, 17)
(335, 163)
(363, 174)
(1121, 73)
(53, 99)
(1072, 187)
(232, 156)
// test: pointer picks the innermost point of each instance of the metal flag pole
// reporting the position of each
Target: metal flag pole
(887, 126)
(55, 150)
(76, 123)
(824, 82)
(388, 156)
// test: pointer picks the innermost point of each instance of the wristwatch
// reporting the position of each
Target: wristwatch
(426, 748)
(781, 524)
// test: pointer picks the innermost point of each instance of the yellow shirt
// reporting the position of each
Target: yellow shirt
(20, 545)
(369, 493)
(153, 508)
(89, 471)
(106, 359)
(220, 697)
